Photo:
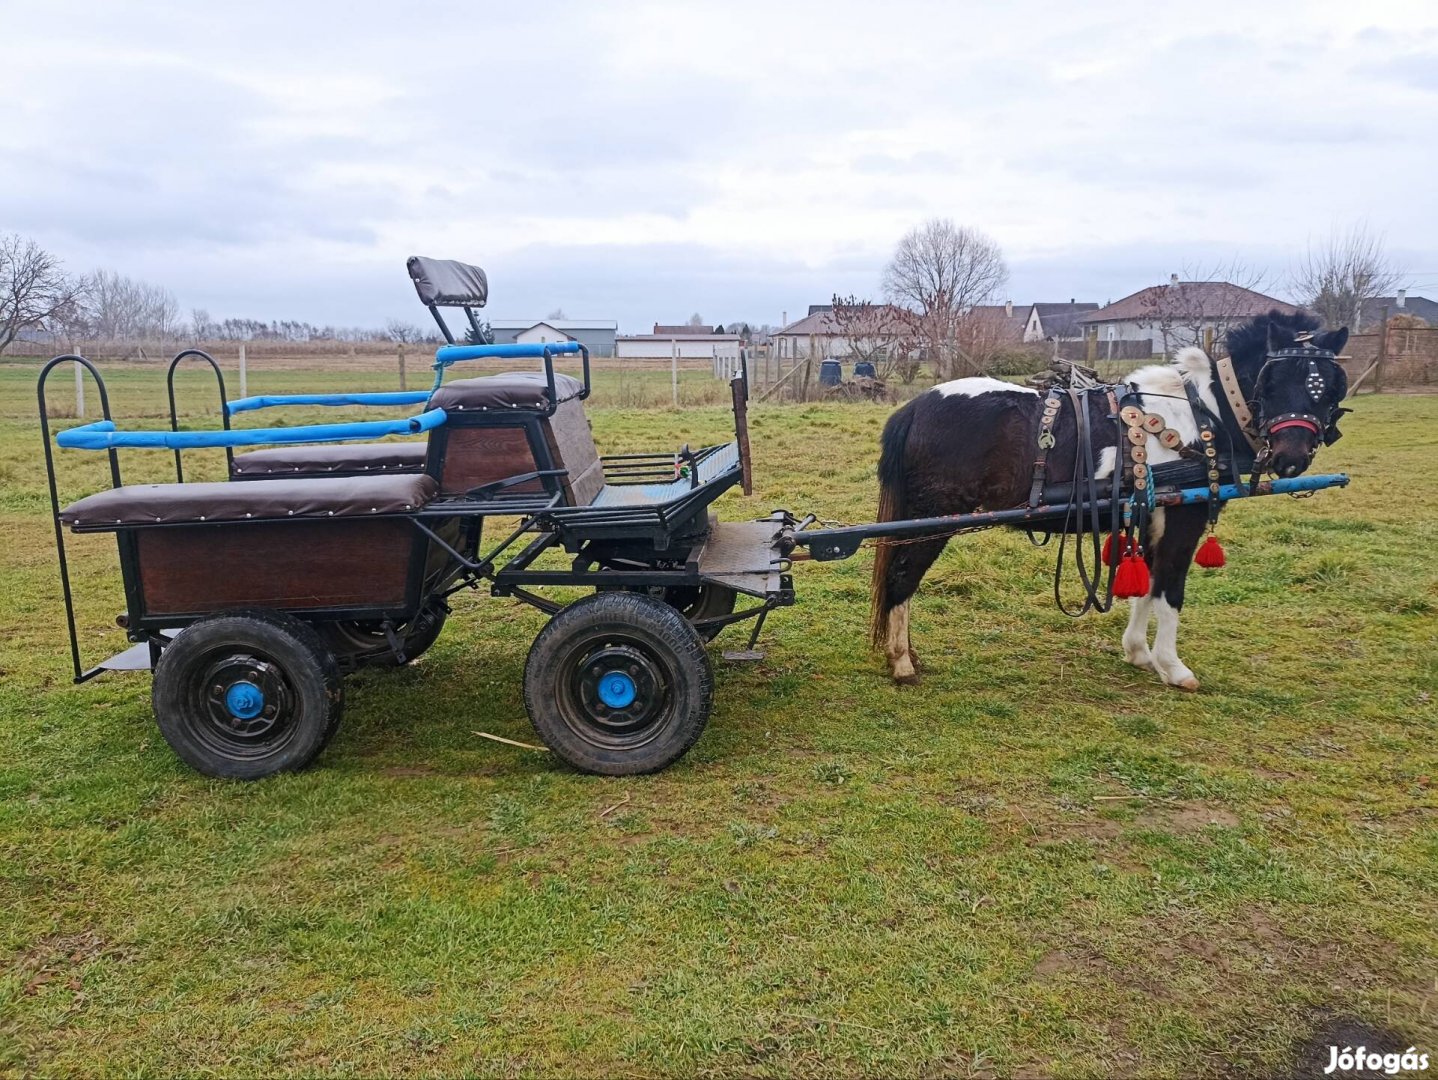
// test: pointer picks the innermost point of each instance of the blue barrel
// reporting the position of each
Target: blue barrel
(831, 373)
(865, 368)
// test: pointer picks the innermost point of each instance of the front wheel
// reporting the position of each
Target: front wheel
(618, 684)
(248, 694)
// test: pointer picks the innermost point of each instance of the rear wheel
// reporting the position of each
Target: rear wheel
(246, 695)
(366, 642)
(618, 683)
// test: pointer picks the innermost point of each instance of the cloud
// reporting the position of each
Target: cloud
(641, 161)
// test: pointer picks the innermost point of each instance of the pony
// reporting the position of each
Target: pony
(970, 444)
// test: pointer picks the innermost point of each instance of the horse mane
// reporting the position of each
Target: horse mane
(1248, 343)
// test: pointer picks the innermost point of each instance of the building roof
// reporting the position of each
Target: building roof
(1420, 306)
(546, 323)
(682, 328)
(558, 324)
(690, 335)
(1011, 319)
(821, 320)
(1062, 320)
(1215, 299)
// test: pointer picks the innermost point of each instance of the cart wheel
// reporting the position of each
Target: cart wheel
(247, 694)
(618, 683)
(365, 643)
(707, 601)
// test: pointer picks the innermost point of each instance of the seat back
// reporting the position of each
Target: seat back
(496, 428)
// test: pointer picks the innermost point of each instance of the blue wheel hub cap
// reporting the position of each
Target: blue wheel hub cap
(616, 690)
(245, 700)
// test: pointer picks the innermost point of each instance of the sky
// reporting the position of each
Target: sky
(642, 162)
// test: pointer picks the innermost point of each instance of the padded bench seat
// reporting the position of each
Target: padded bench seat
(327, 458)
(327, 497)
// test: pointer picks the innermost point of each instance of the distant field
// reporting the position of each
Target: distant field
(1041, 862)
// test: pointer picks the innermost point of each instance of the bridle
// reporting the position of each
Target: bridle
(1323, 373)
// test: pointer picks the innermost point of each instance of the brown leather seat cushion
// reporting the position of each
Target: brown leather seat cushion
(325, 458)
(159, 504)
(509, 390)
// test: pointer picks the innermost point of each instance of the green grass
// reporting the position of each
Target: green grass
(842, 877)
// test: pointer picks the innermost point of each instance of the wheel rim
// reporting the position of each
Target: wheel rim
(615, 691)
(242, 703)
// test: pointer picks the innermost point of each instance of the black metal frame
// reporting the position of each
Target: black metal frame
(174, 412)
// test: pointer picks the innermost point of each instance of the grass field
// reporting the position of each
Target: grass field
(1041, 862)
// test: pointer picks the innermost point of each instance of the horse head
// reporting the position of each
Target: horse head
(1294, 385)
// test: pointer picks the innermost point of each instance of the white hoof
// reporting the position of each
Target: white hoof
(1177, 675)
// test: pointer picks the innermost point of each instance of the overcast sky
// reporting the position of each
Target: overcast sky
(645, 161)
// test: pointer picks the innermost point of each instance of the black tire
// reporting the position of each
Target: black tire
(247, 694)
(365, 643)
(593, 653)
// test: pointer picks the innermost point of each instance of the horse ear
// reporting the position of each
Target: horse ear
(1333, 341)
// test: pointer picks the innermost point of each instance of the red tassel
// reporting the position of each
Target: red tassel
(1132, 577)
(1125, 547)
(1210, 556)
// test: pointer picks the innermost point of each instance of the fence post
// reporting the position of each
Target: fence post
(244, 373)
(79, 392)
(1382, 352)
(402, 384)
(674, 369)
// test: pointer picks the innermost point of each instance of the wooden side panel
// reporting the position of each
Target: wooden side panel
(348, 562)
(482, 455)
(572, 444)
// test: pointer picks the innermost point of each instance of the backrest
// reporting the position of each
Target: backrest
(448, 282)
(496, 429)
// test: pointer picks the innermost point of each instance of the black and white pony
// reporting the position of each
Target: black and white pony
(970, 444)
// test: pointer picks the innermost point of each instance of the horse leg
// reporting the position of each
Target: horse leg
(907, 566)
(1171, 557)
(1135, 636)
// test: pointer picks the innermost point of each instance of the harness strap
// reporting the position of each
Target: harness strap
(1204, 419)
(1045, 444)
(1228, 379)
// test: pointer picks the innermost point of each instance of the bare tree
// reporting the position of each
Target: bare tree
(122, 309)
(940, 271)
(1347, 270)
(557, 313)
(877, 333)
(202, 327)
(1198, 306)
(695, 320)
(403, 333)
(35, 291)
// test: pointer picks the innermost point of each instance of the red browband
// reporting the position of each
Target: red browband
(1297, 421)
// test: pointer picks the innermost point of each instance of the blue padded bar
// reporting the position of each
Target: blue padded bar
(450, 354)
(269, 401)
(1278, 486)
(104, 436)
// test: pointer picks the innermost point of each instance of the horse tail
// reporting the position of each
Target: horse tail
(893, 445)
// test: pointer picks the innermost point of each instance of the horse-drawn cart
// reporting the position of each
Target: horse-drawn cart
(325, 550)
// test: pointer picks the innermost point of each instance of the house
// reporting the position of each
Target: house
(1371, 313)
(1055, 322)
(687, 343)
(542, 333)
(597, 335)
(820, 331)
(1162, 318)
(1003, 324)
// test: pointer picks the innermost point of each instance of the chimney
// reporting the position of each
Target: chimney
(1173, 279)
(1009, 308)
(1071, 299)
(1402, 298)
(783, 319)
